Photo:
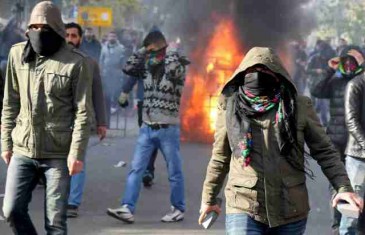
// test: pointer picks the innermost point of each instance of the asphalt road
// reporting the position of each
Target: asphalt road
(105, 184)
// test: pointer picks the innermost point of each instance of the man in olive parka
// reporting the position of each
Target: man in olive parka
(259, 143)
(45, 124)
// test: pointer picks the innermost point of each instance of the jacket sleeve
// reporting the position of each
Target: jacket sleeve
(353, 102)
(129, 83)
(11, 105)
(175, 70)
(319, 84)
(98, 97)
(323, 151)
(135, 65)
(81, 88)
(218, 166)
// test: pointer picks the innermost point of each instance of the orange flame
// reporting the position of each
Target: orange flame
(219, 59)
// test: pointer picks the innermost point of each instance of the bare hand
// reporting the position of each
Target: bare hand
(6, 155)
(101, 130)
(334, 63)
(352, 198)
(205, 209)
(74, 166)
(357, 55)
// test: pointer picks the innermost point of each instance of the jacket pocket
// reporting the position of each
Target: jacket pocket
(244, 196)
(295, 196)
(20, 134)
(57, 139)
(57, 84)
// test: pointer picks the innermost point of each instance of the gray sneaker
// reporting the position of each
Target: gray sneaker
(174, 215)
(122, 213)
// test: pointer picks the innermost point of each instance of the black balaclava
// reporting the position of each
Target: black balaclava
(261, 84)
(45, 42)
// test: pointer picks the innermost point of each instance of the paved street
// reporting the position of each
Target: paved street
(105, 183)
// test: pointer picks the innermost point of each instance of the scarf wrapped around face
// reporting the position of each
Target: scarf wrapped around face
(260, 94)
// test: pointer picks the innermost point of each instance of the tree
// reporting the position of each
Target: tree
(337, 18)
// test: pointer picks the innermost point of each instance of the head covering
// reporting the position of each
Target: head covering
(48, 13)
(247, 106)
(156, 37)
(348, 65)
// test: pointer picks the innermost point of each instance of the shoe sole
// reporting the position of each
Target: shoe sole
(173, 221)
(72, 216)
(118, 218)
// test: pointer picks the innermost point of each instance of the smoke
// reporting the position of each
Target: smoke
(259, 22)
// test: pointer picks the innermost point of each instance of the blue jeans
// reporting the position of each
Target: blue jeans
(77, 187)
(242, 224)
(22, 177)
(355, 168)
(168, 141)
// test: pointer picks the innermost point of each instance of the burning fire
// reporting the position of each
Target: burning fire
(216, 63)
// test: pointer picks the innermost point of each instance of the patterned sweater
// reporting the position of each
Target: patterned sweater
(162, 93)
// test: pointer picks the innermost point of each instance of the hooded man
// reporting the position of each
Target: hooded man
(261, 129)
(74, 38)
(45, 124)
(330, 83)
(163, 77)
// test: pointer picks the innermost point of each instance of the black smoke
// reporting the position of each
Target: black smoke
(259, 22)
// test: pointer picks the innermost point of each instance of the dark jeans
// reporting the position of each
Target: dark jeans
(22, 177)
(242, 224)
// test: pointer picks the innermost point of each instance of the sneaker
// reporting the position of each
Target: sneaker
(122, 213)
(113, 110)
(174, 215)
(147, 180)
(72, 211)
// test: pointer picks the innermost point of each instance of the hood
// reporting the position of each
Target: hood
(261, 56)
(48, 13)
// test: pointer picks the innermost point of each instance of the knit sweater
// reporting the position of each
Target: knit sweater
(162, 92)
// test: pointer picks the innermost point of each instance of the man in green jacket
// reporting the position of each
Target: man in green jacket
(45, 120)
(261, 129)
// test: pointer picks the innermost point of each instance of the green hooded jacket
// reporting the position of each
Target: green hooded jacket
(47, 102)
(269, 190)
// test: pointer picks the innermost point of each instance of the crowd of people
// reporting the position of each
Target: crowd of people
(61, 83)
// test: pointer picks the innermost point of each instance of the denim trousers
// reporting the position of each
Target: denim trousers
(77, 187)
(355, 168)
(167, 140)
(243, 224)
(22, 177)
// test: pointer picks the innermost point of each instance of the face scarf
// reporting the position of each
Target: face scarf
(259, 94)
(349, 67)
(44, 42)
(155, 57)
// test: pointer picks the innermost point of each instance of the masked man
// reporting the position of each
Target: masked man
(164, 77)
(45, 124)
(262, 126)
(74, 37)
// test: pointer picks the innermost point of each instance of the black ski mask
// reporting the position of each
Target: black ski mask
(45, 42)
(261, 84)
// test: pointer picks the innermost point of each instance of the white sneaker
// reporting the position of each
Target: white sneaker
(122, 213)
(174, 215)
